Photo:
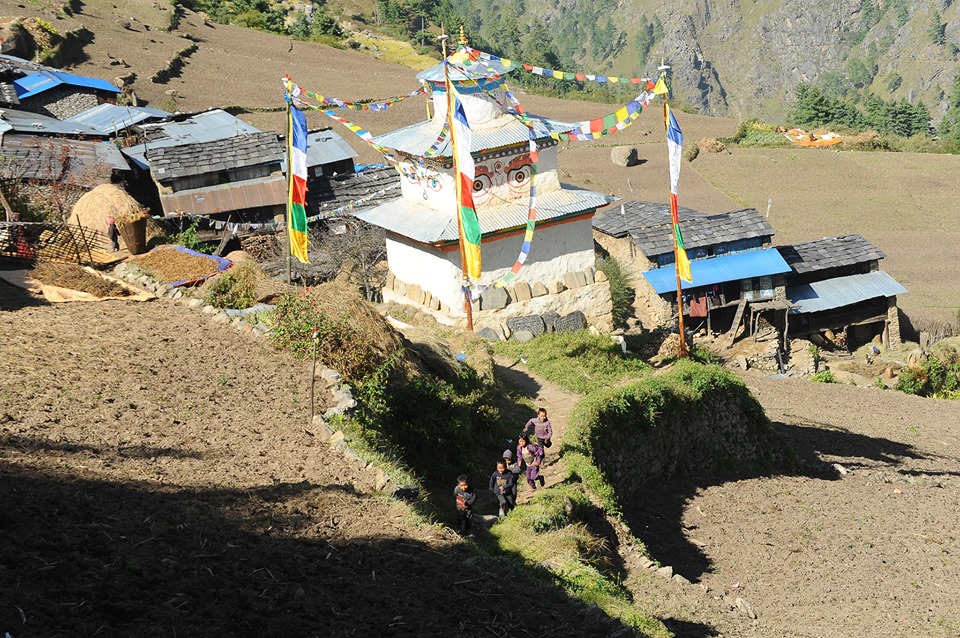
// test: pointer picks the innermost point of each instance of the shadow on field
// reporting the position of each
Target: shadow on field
(655, 513)
(13, 298)
(85, 557)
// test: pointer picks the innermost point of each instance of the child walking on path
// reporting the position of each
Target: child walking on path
(466, 497)
(540, 427)
(532, 456)
(503, 484)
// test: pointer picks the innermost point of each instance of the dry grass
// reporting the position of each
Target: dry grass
(75, 277)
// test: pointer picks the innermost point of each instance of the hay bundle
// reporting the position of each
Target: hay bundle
(711, 145)
(106, 200)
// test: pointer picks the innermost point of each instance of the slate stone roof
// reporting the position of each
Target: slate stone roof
(8, 93)
(329, 193)
(829, 252)
(252, 149)
(621, 218)
(650, 226)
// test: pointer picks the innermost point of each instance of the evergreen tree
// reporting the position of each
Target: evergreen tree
(938, 29)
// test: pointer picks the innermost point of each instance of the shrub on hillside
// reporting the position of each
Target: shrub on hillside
(621, 294)
(236, 288)
(694, 418)
(826, 376)
(351, 337)
(939, 376)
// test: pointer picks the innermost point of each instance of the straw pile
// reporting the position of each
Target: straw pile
(106, 200)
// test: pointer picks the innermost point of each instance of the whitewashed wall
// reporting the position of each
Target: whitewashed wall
(555, 250)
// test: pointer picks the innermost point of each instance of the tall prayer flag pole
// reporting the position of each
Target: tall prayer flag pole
(674, 154)
(463, 170)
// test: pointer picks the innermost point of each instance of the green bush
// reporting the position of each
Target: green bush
(938, 376)
(666, 425)
(236, 288)
(827, 376)
(621, 293)
(341, 343)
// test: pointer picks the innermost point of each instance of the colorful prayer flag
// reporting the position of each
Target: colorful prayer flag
(674, 149)
(460, 139)
(297, 202)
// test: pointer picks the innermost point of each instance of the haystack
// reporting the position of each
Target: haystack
(106, 200)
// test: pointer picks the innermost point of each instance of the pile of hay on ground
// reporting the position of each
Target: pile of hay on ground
(75, 277)
(168, 265)
(711, 145)
(106, 200)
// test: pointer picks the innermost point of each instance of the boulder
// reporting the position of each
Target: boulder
(573, 322)
(523, 336)
(625, 156)
(571, 280)
(556, 287)
(532, 324)
(538, 290)
(488, 333)
(494, 298)
(522, 291)
(549, 319)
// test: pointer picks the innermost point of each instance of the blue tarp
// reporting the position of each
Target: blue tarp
(842, 291)
(716, 270)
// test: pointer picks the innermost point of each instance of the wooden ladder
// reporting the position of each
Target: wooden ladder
(737, 320)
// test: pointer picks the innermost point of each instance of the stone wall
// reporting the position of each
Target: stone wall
(61, 102)
(586, 291)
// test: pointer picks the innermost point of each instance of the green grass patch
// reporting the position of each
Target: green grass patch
(576, 361)
(552, 531)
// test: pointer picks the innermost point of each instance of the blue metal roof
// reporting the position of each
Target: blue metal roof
(110, 118)
(41, 81)
(842, 291)
(415, 220)
(208, 126)
(326, 147)
(716, 270)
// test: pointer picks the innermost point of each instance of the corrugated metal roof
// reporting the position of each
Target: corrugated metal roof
(326, 147)
(505, 131)
(41, 81)
(8, 93)
(716, 270)
(199, 127)
(463, 68)
(11, 63)
(110, 118)
(829, 252)
(842, 291)
(252, 193)
(91, 162)
(25, 122)
(412, 219)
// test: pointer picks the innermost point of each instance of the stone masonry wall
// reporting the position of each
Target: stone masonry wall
(585, 291)
(61, 102)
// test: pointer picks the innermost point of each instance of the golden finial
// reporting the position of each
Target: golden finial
(463, 36)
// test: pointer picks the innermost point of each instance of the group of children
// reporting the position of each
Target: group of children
(527, 460)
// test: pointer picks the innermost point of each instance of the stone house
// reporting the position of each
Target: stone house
(423, 250)
(836, 284)
(62, 95)
(731, 259)
(241, 174)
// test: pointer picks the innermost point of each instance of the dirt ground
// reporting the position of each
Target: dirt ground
(157, 480)
(861, 543)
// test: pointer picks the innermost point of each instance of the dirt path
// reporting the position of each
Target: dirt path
(559, 404)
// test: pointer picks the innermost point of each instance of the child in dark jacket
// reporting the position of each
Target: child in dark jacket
(466, 497)
(532, 457)
(503, 485)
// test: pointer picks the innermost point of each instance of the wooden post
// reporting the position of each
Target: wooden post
(286, 216)
(468, 308)
(676, 260)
